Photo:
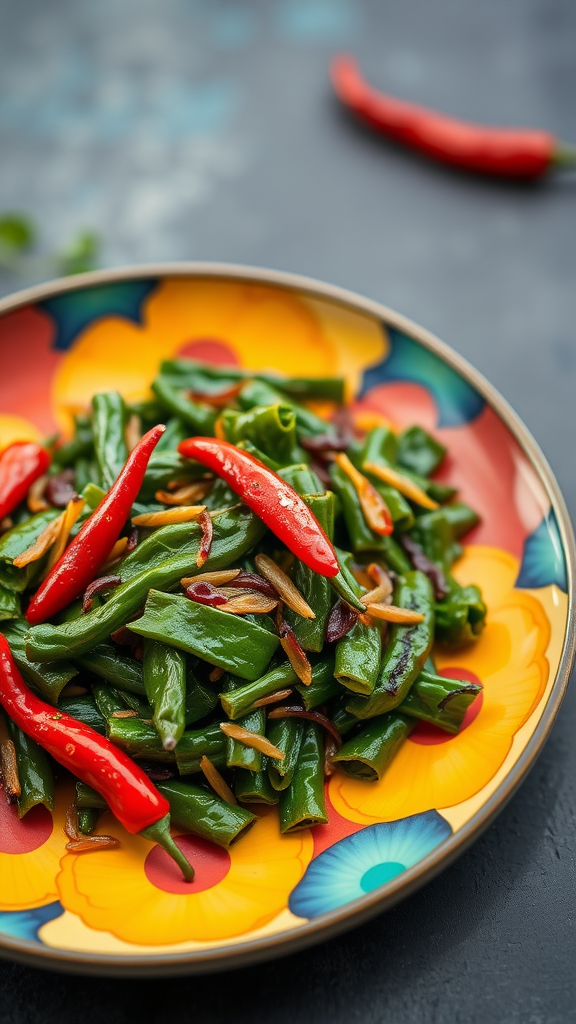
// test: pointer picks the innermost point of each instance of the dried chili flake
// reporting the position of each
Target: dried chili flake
(312, 716)
(421, 561)
(253, 581)
(204, 548)
(205, 593)
(295, 654)
(340, 621)
(96, 587)
(60, 488)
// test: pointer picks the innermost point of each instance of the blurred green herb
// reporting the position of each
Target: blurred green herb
(18, 236)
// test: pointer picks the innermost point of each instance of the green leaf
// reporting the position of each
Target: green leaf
(81, 255)
(17, 232)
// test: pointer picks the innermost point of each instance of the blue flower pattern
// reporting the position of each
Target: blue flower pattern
(365, 861)
(25, 924)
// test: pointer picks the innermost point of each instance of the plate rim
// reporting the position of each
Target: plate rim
(333, 923)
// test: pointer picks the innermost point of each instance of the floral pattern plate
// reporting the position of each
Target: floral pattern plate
(123, 910)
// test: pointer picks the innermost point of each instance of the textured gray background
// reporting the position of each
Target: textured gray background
(206, 130)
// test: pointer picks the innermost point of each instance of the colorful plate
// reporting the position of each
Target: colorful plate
(119, 911)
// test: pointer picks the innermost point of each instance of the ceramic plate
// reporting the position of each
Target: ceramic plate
(115, 911)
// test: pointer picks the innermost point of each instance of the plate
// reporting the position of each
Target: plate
(116, 911)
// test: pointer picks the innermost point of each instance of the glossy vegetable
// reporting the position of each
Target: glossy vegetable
(204, 814)
(406, 650)
(302, 804)
(368, 754)
(21, 463)
(504, 152)
(89, 550)
(108, 427)
(151, 565)
(165, 684)
(34, 772)
(133, 799)
(276, 504)
(228, 641)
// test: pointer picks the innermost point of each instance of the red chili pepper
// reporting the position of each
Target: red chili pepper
(90, 548)
(270, 497)
(20, 465)
(508, 152)
(128, 791)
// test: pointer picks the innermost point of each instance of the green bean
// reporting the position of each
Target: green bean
(304, 480)
(176, 431)
(48, 680)
(304, 388)
(286, 734)
(271, 463)
(344, 584)
(323, 686)
(237, 701)
(235, 532)
(138, 739)
(17, 540)
(83, 707)
(165, 466)
(88, 799)
(84, 472)
(341, 718)
(107, 699)
(108, 663)
(200, 700)
(201, 378)
(419, 451)
(259, 392)
(272, 428)
(361, 536)
(315, 589)
(461, 614)
(368, 754)
(206, 379)
(461, 517)
(406, 650)
(149, 411)
(254, 787)
(358, 652)
(9, 605)
(195, 744)
(440, 701)
(87, 820)
(165, 684)
(204, 814)
(434, 533)
(108, 426)
(379, 445)
(34, 772)
(227, 641)
(358, 658)
(239, 755)
(81, 445)
(302, 804)
(198, 415)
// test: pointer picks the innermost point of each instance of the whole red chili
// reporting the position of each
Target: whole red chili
(21, 463)
(270, 497)
(507, 152)
(90, 548)
(131, 796)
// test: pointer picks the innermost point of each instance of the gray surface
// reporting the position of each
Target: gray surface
(207, 131)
